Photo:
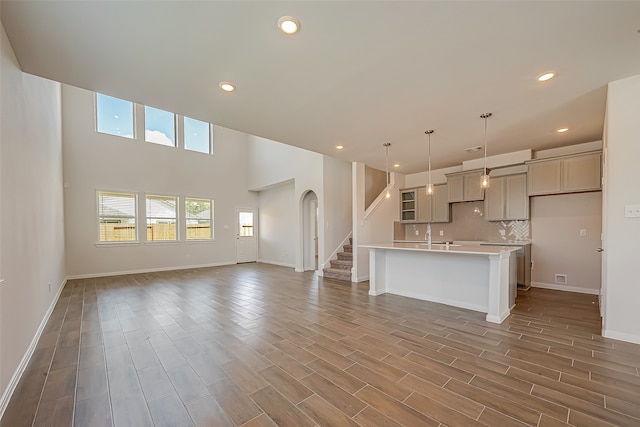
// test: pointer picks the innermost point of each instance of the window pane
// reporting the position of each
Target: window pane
(196, 135)
(246, 224)
(161, 218)
(115, 116)
(116, 216)
(199, 217)
(159, 126)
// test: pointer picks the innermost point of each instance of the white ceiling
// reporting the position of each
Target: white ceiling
(358, 73)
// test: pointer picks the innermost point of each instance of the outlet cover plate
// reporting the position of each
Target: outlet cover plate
(632, 211)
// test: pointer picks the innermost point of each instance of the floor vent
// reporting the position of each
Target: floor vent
(561, 278)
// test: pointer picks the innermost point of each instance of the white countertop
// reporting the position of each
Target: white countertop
(462, 249)
(471, 242)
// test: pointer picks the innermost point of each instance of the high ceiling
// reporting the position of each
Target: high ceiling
(358, 73)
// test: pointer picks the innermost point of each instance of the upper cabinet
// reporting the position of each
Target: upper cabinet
(580, 172)
(465, 186)
(408, 205)
(507, 198)
(417, 206)
(440, 207)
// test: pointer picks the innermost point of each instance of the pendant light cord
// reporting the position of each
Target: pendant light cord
(485, 143)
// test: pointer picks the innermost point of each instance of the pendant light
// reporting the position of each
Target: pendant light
(484, 181)
(386, 145)
(429, 185)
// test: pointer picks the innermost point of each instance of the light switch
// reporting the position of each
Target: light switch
(441, 233)
(583, 232)
(632, 211)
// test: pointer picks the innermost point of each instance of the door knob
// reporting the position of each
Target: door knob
(599, 250)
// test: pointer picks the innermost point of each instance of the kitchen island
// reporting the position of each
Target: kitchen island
(480, 278)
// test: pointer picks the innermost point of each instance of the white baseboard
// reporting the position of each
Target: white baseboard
(147, 270)
(565, 288)
(363, 278)
(439, 300)
(621, 336)
(281, 264)
(15, 379)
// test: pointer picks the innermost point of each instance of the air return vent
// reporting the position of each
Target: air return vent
(561, 279)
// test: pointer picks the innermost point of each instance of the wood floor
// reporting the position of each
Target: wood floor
(260, 345)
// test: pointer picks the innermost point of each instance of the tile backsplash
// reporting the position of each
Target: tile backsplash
(468, 223)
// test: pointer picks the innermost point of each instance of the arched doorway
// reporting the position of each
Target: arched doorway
(310, 231)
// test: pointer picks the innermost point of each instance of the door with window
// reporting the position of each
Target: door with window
(246, 236)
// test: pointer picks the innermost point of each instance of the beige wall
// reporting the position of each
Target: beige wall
(558, 248)
(31, 215)
(621, 286)
(375, 182)
(95, 161)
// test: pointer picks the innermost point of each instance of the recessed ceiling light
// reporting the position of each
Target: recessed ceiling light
(227, 87)
(397, 165)
(562, 130)
(289, 25)
(545, 76)
(339, 147)
(471, 149)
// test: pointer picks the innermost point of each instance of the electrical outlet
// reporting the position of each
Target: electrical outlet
(583, 232)
(632, 211)
(441, 233)
(502, 232)
(417, 233)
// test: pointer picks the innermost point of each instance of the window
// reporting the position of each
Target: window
(114, 116)
(197, 136)
(159, 126)
(161, 218)
(246, 224)
(116, 216)
(199, 218)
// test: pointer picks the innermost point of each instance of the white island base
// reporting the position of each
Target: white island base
(476, 278)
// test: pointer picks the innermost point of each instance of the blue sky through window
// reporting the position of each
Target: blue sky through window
(196, 135)
(159, 126)
(115, 116)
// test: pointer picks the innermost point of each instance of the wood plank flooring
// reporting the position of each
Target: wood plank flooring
(260, 345)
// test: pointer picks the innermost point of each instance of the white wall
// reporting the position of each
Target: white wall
(94, 161)
(621, 290)
(337, 205)
(558, 248)
(277, 236)
(31, 215)
(377, 227)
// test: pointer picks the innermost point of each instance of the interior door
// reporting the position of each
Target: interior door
(246, 236)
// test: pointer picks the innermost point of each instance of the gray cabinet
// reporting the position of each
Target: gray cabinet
(569, 174)
(440, 207)
(408, 205)
(507, 198)
(465, 186)
(417, 206)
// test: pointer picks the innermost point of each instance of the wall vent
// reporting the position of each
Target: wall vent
(561, 278)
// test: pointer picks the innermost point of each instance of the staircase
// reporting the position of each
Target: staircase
(341, 268)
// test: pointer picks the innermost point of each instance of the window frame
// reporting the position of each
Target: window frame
(211, 219)
(135, 217)
(176, 218)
